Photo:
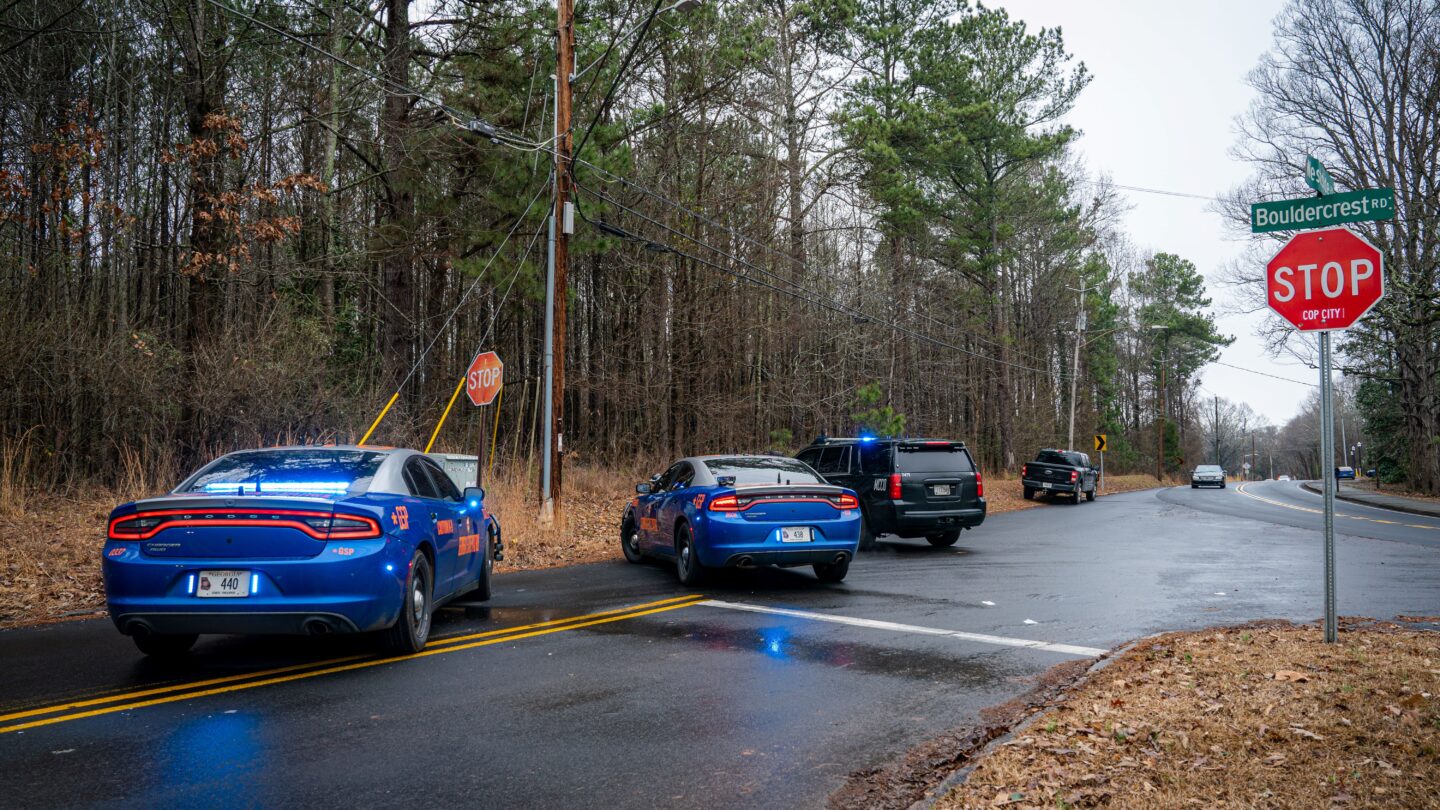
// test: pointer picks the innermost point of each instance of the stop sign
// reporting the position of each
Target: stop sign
(483, 379)
(1326, 279)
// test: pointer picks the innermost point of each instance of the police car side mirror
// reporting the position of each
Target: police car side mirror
(642, 489)
(474, 496)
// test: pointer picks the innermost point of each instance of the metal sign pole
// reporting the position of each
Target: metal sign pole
(1327, 472)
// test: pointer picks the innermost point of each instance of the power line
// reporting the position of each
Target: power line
(1263, 373)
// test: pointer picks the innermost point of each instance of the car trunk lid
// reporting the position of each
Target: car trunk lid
(206, 527)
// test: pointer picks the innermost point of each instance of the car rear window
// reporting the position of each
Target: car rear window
(291, 472)
(1053, 457)
(932, 459)
(763, 470)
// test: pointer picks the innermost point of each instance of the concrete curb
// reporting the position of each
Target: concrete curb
(1340, 494)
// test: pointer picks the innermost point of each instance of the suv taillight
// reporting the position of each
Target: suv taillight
(895, 486)
(1074, 476)
(980, 484)
(1024, 470)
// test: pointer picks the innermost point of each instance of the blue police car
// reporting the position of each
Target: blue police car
(304, 540)
(742, 512)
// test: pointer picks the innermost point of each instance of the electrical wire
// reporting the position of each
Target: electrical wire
(1264, 373)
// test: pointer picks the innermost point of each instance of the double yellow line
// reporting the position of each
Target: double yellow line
(128, 701)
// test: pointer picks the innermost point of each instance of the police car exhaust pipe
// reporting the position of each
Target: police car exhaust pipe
(744, 562)
(840, 558)
(316, 627)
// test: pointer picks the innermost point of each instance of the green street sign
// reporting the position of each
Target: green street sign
(1319, 212)
(1317, 178)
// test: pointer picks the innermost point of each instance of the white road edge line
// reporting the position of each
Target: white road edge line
(1003, 641)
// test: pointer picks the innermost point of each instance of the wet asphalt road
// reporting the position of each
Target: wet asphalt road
(678, 702)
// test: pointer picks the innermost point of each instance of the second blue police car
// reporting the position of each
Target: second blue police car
(742, 511)
(298, 540)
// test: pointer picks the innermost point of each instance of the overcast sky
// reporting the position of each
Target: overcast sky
(1168, 82)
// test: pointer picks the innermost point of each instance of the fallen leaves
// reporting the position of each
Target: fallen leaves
(1261, 716)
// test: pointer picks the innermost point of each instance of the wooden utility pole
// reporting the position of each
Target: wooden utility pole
(1160, 430)
(564, 224)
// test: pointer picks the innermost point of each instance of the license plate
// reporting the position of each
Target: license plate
(942, 489)
(1048, 485)
(795, 534)
(222, 584)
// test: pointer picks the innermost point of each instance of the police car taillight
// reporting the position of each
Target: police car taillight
(353, 527)
(980, 484)
(847, 501)
(132, 529)
(725, 503)
(894, 486)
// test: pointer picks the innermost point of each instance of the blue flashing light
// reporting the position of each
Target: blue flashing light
(303, 487)
(389, 566)
(190, 585)
(254, 583)
(867, 438)
(474, 504)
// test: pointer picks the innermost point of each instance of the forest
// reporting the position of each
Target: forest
(226, 223)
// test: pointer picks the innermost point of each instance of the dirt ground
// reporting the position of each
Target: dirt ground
(50, 552)
(1257, 716)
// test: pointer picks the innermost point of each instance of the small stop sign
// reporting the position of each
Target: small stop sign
(483, 379)
(1326, 279)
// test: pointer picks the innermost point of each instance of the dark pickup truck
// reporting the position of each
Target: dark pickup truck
(1059, 472)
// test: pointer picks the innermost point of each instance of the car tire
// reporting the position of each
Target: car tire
(165, 645)
(1194, 486)
(1029, 494)
(867, 537)
(412, 627)
(630, 539)
(1222, 486)
(1075, 497)
(1089, 494)
(687, 563)
(483, 588)
(943, 539)
(832, 572)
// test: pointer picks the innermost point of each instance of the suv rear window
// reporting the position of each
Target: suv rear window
(931, 459)
(292, 472)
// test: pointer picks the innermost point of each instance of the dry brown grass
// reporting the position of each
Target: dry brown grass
(1260, 716)
(1007, 495)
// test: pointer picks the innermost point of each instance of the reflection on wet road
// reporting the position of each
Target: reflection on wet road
(611, 686)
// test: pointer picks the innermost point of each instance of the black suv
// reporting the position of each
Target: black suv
(927, 488)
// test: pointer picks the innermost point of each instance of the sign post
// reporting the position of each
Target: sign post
(482, 383)
(1325, 281)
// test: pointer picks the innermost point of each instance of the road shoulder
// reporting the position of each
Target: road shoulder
(1380, 500)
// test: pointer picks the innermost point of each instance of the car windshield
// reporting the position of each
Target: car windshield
(757, 470)
(319, 472)
(1207, 468)
(941, 458)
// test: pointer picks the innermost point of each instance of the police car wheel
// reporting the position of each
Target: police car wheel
(487, 569)
(630, 539)
(944, 539)
(412, 628)
(832, 572)
(867, 537)
(687, 563)
(1089, 494)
